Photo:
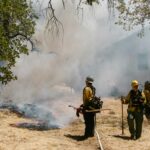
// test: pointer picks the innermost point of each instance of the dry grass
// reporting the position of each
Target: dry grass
(108, 126)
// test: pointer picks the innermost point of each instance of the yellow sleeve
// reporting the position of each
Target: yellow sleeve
(87, 95)
(143, 97)
(127, 99)
(147, 96)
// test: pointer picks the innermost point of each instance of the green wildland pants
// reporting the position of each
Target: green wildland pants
(135, 121)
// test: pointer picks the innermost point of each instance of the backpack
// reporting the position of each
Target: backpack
(96, 102)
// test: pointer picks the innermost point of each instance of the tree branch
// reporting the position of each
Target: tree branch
(27, 38)
(53, 24)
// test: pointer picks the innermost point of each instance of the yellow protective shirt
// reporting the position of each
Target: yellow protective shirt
(87, 95)
(128, 101)
(147, 95)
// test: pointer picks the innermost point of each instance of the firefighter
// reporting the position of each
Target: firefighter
(135, 100)
(147, 95)
(89, 117)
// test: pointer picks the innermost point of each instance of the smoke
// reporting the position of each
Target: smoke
(53, 76)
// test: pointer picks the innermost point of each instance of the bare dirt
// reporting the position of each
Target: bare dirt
(68, 138)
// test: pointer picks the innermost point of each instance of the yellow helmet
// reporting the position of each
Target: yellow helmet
(134, 83)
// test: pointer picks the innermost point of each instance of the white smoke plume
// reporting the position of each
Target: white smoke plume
(54, 75)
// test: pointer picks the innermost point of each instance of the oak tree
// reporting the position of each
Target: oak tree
(17, 22)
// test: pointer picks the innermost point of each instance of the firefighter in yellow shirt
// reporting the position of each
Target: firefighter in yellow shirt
(89, 117)
(147, 95)
(135, 100)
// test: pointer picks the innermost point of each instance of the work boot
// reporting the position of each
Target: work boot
(86, 136)
(133, 137)
(137, 137)
(92, 135)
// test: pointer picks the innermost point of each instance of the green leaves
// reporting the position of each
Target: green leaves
(133, 13)
(17, 22)
(90, 2)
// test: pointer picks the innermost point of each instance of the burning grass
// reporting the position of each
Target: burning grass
(42, 119)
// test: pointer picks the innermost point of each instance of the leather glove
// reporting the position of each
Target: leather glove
(78, 112)
(122, 99)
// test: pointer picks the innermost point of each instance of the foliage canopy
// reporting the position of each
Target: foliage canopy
(133, 13)
(17, 22)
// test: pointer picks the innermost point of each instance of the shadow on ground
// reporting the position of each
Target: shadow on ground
(122, 137)
(76, 137)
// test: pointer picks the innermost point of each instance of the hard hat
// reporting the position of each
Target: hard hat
(89, 79)
(134, 83)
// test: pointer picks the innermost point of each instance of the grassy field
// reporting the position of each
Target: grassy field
(68, 138)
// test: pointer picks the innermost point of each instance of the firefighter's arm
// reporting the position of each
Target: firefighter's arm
(143, 98)
(88, 94)
(147, 96)
(126, 99)
(78, 111)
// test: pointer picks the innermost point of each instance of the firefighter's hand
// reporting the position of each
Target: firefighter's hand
(122, 99)
(78, 112)
(81, 106)
(142, 100)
